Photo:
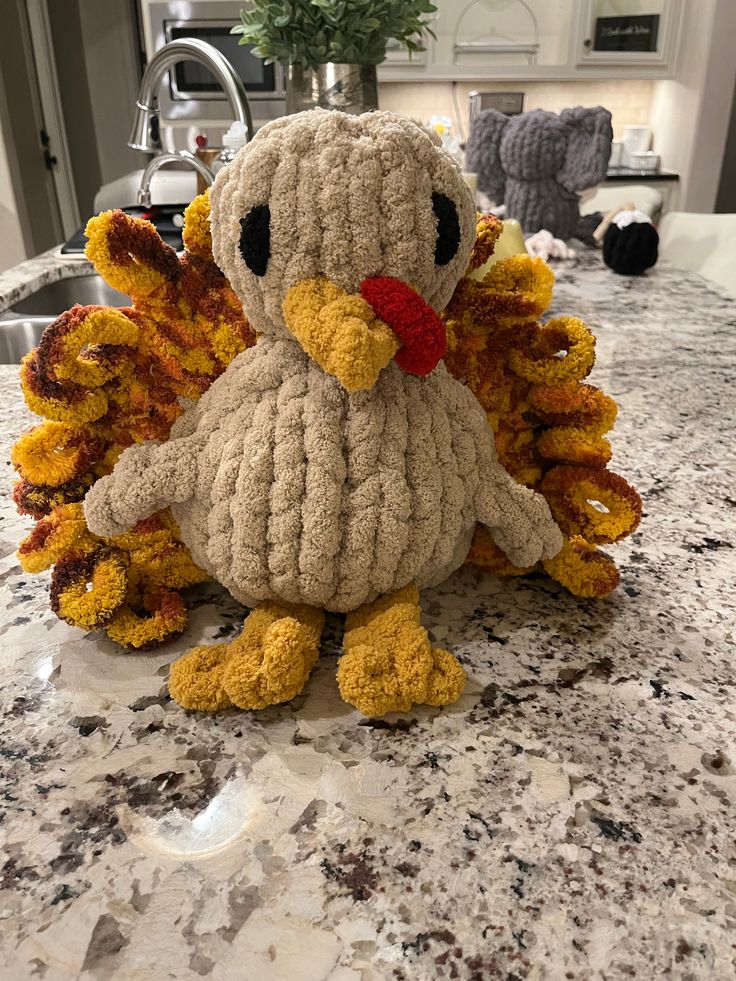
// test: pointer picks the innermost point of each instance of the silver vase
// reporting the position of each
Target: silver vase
(350, 88)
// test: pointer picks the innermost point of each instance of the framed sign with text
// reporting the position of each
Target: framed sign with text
(634, 33)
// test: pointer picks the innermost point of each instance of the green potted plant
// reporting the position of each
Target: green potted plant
(330, 48)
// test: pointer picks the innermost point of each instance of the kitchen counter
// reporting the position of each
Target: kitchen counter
(572, 817)
(31, 275)
(627, 174)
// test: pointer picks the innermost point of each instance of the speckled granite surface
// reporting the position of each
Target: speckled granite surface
(29, 276)
(572, 817)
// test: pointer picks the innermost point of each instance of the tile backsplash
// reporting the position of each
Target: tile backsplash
(629, 100)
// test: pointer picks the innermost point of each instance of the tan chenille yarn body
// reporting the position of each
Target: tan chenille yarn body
(289, 488)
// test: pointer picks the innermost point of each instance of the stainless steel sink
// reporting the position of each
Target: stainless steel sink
(55, 298)
(21, 327)
(19, 335)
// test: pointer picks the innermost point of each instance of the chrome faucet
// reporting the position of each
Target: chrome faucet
(184, 49)
(162, 160)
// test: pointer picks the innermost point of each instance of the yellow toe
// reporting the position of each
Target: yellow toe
(367, 680)
(195, 680)
(274, 670)
(446, 681)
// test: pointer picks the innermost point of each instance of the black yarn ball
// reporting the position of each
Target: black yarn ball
(630, 250)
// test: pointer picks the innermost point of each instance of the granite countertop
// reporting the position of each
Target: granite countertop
(29, 276)
(572, 817)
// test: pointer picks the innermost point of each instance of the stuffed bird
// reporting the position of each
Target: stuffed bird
(336, 464)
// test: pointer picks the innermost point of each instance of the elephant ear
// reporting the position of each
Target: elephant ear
(483, 153)
(588, 147)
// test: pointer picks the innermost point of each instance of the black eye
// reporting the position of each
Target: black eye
(255, 239)
(448, 229)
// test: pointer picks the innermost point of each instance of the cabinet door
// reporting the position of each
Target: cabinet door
(500, 39)
(628, 33)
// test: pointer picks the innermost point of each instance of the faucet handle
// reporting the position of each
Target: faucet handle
(144, 197)
(146, 132)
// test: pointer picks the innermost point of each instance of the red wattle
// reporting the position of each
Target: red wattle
(420, 330)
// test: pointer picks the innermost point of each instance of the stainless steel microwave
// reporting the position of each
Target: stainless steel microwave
(192, 98)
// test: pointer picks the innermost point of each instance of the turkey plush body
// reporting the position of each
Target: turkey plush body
(307, 494)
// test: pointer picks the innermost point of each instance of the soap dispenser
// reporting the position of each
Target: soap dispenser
(232, 141)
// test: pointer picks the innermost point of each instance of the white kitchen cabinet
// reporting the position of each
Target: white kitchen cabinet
(542, 39)
(628, 34)
(512, 36)
(492, 39)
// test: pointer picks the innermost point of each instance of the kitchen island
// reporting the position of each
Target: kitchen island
(29, 276)
(572, 816)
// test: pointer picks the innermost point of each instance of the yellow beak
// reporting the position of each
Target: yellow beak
(340, 331)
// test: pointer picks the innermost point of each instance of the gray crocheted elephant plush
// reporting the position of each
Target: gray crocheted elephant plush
(538, 163)
(336, 464)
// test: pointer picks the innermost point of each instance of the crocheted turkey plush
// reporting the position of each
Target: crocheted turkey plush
(336, 464)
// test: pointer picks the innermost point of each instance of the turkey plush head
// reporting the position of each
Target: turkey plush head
(346, 233)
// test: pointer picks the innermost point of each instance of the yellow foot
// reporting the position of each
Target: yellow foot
(389, 664)
(268, 663)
